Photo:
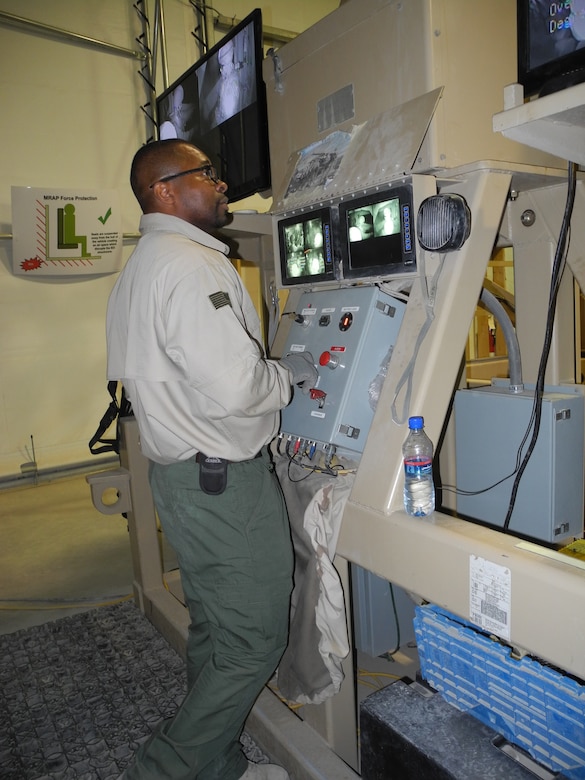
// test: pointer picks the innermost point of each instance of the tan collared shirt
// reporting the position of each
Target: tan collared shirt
(185, 340)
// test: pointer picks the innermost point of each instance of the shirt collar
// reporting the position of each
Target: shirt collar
(153, 222)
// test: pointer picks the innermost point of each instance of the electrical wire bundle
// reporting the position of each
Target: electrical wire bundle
(557, 273)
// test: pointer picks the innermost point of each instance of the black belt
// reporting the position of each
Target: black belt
(200, 457)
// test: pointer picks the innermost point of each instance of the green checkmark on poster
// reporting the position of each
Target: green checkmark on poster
(106, 216)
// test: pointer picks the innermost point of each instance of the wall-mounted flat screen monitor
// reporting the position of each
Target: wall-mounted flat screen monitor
(219, 105)
(377, 234)
(551, 45)
(306, 247)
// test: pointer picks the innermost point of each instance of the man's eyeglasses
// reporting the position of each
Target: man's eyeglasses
(208, 170)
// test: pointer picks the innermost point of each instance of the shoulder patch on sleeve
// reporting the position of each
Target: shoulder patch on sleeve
(220, 299)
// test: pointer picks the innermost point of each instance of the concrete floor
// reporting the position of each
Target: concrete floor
(59, 555)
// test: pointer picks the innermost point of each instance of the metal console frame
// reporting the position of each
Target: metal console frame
(429, 557)
(432, 557)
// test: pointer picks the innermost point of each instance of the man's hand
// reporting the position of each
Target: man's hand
(302, 369)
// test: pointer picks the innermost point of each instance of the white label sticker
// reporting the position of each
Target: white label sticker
(490, 596)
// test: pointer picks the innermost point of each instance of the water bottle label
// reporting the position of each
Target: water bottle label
(418, 467)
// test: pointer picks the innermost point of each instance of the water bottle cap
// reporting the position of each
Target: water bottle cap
(416, 423)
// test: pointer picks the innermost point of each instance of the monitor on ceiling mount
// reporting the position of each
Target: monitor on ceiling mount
(551, 45)
(219, 104)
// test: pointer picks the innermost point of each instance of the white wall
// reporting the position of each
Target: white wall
(71, 117)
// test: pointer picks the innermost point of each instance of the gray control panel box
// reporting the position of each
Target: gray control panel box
(350, 332)
(490, 424)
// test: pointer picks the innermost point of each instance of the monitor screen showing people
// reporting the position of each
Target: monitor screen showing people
(304, 248)
(378, 219)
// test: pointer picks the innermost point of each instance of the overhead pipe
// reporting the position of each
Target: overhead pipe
(20, 21)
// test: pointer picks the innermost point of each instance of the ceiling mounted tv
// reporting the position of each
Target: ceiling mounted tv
(551, 45)
(219, 105)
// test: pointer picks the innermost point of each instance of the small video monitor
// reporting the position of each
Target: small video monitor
(377, 234)
(306, 247)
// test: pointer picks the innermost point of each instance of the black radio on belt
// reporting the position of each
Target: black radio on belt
(212, 474)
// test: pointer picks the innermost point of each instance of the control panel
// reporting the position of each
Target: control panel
(350, 332)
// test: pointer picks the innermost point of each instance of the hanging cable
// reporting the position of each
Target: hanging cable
(557, 273)
(390, 653)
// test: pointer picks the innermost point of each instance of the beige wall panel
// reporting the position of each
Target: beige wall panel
(391, 52)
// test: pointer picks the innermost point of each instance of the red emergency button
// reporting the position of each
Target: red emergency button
(329, 360)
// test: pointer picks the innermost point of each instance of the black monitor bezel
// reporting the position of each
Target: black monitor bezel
(228, 135)
(558, 73)
(327, 217)
(404, 239)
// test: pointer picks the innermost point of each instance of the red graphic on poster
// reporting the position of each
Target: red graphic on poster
(32, 264)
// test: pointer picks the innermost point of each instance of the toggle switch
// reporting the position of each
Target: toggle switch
(317, 395)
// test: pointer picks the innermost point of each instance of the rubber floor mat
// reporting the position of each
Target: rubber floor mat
(79, 695)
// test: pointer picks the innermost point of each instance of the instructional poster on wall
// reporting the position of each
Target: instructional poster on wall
(64, 232)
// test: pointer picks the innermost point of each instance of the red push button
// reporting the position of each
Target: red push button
(329, 360)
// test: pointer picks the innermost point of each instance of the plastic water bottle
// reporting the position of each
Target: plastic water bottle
(419, 488)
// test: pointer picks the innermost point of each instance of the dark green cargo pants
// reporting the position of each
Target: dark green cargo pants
(236, 562)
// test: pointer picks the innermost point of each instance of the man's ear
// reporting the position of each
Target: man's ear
(163, 193)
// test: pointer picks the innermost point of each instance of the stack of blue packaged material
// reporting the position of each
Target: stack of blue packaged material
(532, 705)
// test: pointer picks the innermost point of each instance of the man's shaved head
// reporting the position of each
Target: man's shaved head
(187, 192)
(151, 162)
